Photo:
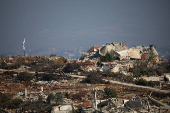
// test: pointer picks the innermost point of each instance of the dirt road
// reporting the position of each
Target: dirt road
(130, 85)
(137, 86)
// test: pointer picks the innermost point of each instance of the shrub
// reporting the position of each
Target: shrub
(93, 79)
(144, 83)
(7, 102)
(70, 67)
(24, 77)
(108, 57)
(110, 92)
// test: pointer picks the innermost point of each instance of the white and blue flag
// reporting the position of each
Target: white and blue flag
(23, 44)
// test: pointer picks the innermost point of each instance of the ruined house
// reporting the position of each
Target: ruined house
(93, 49)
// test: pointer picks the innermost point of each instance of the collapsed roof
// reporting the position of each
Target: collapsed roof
(93, 48)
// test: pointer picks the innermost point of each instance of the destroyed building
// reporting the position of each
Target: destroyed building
(122, 52)
(90, 54)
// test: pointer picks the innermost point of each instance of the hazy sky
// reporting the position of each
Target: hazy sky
(84, 23)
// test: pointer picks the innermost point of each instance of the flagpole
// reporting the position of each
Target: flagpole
(23, 44)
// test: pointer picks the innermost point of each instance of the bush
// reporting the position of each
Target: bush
(39, 106)
(50, 97)
(24, 77)
(142, 69)
(99, 63)
(110, 92)
(110, 74)
(15, 103)
(58, 97)
(93, 79)
(108, 57)
(70, 67)
(9, 103)
(144, 83)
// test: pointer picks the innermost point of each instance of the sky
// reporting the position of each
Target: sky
(82, 23)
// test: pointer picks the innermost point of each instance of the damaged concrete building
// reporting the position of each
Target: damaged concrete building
(124, 57)
(122, 52)
(90, 54)
(115, 46)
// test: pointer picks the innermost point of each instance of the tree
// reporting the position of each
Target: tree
(23, 76)
(20, 61)
(112, 53)
(110, 74)
(110, 92)
(68, 68)
(108, 57)
(142, 69)
(15, 103)
(53, 55)
(58, 97)
(136, 71)
(144, 83)
(151, 53)
(8, 102)
(93, 79)
(99, 63)
(50, 98)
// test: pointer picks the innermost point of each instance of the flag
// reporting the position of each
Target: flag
(23, 44)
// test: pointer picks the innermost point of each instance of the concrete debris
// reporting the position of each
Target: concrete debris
(106, 49)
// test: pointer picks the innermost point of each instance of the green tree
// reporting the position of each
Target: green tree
(108, 57)
(144, 83)
(53, 55)
(7, 102)
(20, 61)
(142, 69)
(136, 71)
(70, 67)
(99, 63)
(58, 97)
(113, 55)
(23, 76)
(50, 98)
(93, 79)
(108, 73)
(151, 53)
(15, 103)
(110, 92)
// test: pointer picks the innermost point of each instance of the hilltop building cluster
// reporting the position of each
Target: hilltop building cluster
(121, 51)
(124, 58)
